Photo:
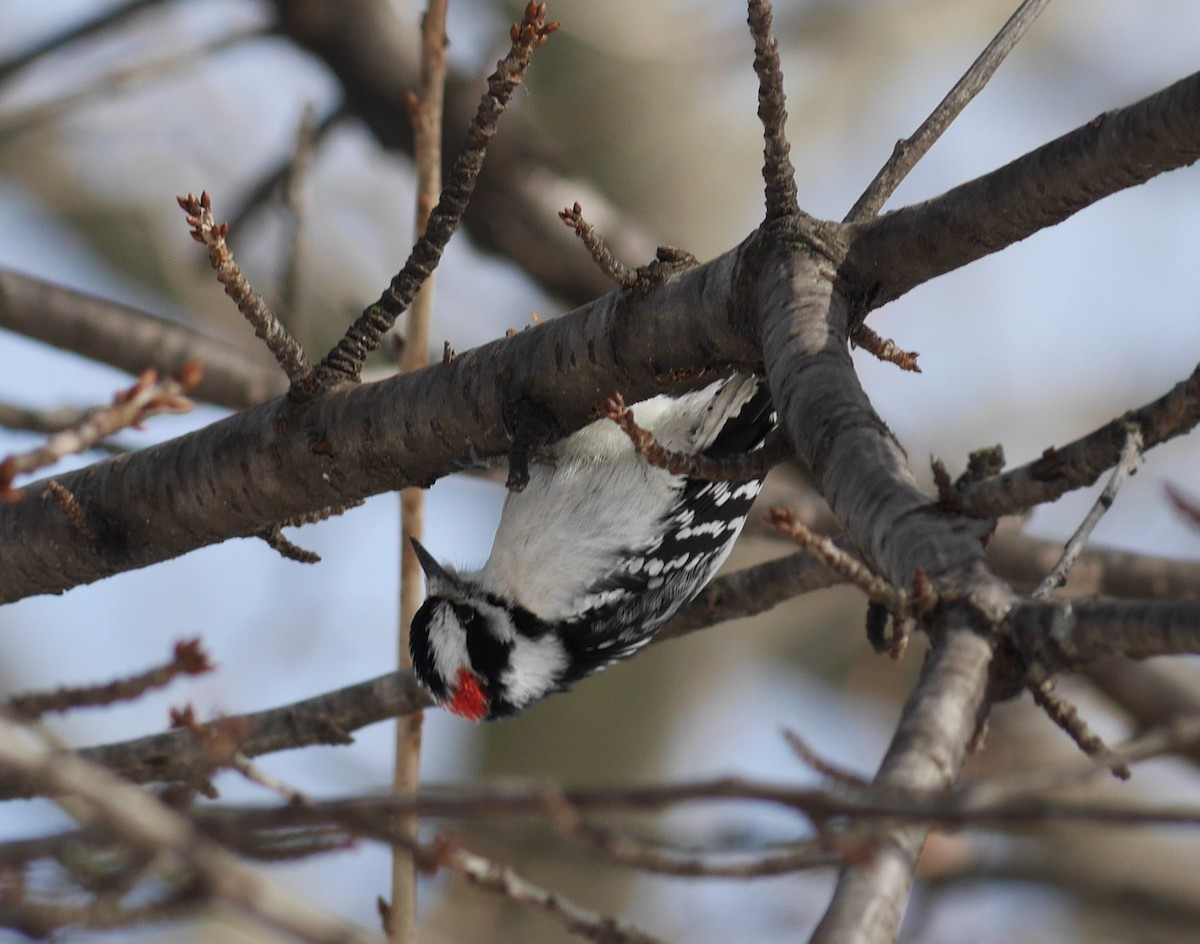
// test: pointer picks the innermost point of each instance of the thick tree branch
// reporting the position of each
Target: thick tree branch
(1117, 150)
(133, 340)
(862, 473)
(179, 755)
(1065, 634)
(279, 460)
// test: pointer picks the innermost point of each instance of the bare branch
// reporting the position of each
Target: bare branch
(286, 349)
(400, 921)
(1113, 152)
(778, 174)
(187, 659)
(148, 397)
(224, 480)
(1080, 463)
(1067, 717)
(345, 361)
(909, 151)
(294, 198)
(148, 824)
(612, 267)
(1126, 466)
(182, 755)
(885, 349)
(1065, 634)
(503, 881)
(132, 340)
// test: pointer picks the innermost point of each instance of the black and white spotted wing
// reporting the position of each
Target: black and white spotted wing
(697, 535)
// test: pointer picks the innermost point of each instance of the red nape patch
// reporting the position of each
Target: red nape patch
(469, 701)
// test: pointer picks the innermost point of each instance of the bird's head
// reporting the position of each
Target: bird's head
(478, 655)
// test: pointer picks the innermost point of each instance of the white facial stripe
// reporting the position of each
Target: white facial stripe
(448, 643)
(535, 667)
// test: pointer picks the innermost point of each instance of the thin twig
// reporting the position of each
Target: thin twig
(829, 771)
(188, 658)
(900, 602)
(610, 265)
(148, 397)
(1126, 466)
(286, 349)
(909, 151)
(751, 465)
(144, 822)
(664, 859)
(503, 881)
(1057, 708)
(275, 539)
(49, 421)
(885, 349)
(1185, 506)
(295, 199)
(425, 111)
(779, 176)
(255, 774)
(1067, 717)
(73, 509)
(345, 362)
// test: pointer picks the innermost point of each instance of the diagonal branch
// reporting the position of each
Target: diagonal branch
(1081, 462)
(132, 340)
(225, 480)
(147, 823)
(345, 361)
(909, 151)
(1117, 150)
(332, 717)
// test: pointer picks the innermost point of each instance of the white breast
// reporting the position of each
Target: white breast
(599, 499)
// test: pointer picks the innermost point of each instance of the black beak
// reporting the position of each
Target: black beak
(433, 570)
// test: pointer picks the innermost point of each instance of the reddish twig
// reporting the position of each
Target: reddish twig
(885, 349)
(146, 398)
(1185, 506)
(829, 771)
(609, 264)
(734, 469)
(188, 658)
(902, 603)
